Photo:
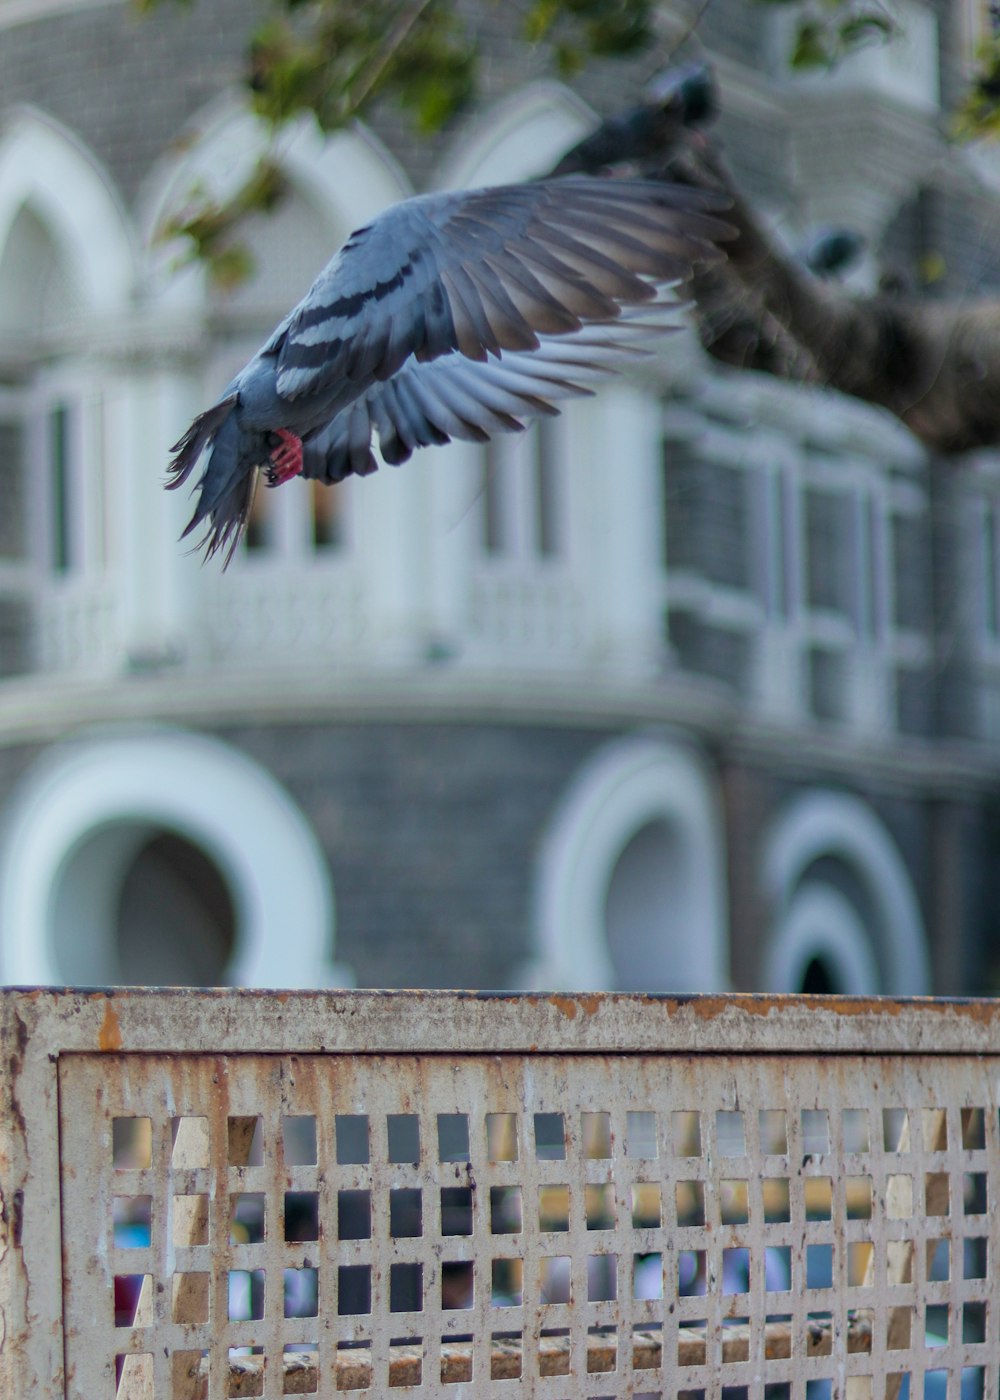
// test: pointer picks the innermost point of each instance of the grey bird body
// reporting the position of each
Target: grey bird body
(455, 315)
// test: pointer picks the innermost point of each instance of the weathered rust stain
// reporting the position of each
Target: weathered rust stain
(109, 1037)
(569, 1006)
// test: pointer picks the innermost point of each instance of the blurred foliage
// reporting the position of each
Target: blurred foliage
(825, 32)
(335, 58)
(978, 114)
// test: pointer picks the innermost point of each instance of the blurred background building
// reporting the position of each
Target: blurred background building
(696, 687)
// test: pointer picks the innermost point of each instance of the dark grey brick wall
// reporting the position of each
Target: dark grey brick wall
(431, 832)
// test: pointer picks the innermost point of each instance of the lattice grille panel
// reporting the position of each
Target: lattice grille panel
(716, 1227)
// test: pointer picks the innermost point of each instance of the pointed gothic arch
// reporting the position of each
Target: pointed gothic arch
(47, 170)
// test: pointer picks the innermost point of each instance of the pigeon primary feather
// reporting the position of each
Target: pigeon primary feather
(452, 315)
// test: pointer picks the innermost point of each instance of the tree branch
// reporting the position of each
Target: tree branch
(934, 365)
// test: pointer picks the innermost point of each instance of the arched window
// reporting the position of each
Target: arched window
(66, 274)
(162, 856)
(845, 911)
(630, 888)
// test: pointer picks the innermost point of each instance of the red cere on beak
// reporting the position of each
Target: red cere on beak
(286, 458)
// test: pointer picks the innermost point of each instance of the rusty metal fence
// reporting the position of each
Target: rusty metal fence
(209, 1195)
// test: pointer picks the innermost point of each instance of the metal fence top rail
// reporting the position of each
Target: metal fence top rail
(162, 1020)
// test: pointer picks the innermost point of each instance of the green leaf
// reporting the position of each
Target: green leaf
(812, 47)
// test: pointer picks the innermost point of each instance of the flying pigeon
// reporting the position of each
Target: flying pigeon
(452, 315)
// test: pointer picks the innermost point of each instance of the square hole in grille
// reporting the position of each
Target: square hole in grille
(859, 1197)
(975, 1253)
(188, 1376)
(457, 1360)
(403, 1133)
(859, 1257)
(405, 1213)
(406, 1361)
(777, 1268)
(934, 1126)
(127, 1290)
(730, 1133)
(501, 1137)
(246, 1295)
(640, 1135)
(647, 1348)
(354, 1365)
(406, 1287)
(507, 1283)
(245, 1142)
(602, 1350)
(819, 1265)
(553, 1352)
(354, 1214)
(819, 1327)
(506, 1356)
(689, 1198)
(973, 1386)
(777, 1205)
(453, 1137)
(973, 1322)
(647, 1276)
(602, 1278)
(298, 1135)
(457, 1285)
(131, 1144)
(246, 1217)
(773, 1131)
(132, 1222)
(818, 1193)
(937, 1260)
(352, 1139)
(974, 1193)
(815, 1131)
(691, 1272)
(691, 1346)
(553, 1209)
(895, 1130)
(300, 1362)
(646, 1205)
(554, 1278)
(937, 1193)
(686, 1132)
(854, 1122)
(505, 1210)
(354, 1289)
(301, 1292)
(456, 1210)
(973, 1129)
(736, 1270)
(599, 1206)
(301, 1216)
(734, 1201)
(595, 1132)
(550, 1137)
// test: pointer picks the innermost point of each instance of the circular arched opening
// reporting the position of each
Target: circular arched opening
(647, 911)
(818, 980)
(138, 904)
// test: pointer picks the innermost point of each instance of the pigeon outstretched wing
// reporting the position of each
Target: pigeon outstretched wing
(487, 271)
(455, 314)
